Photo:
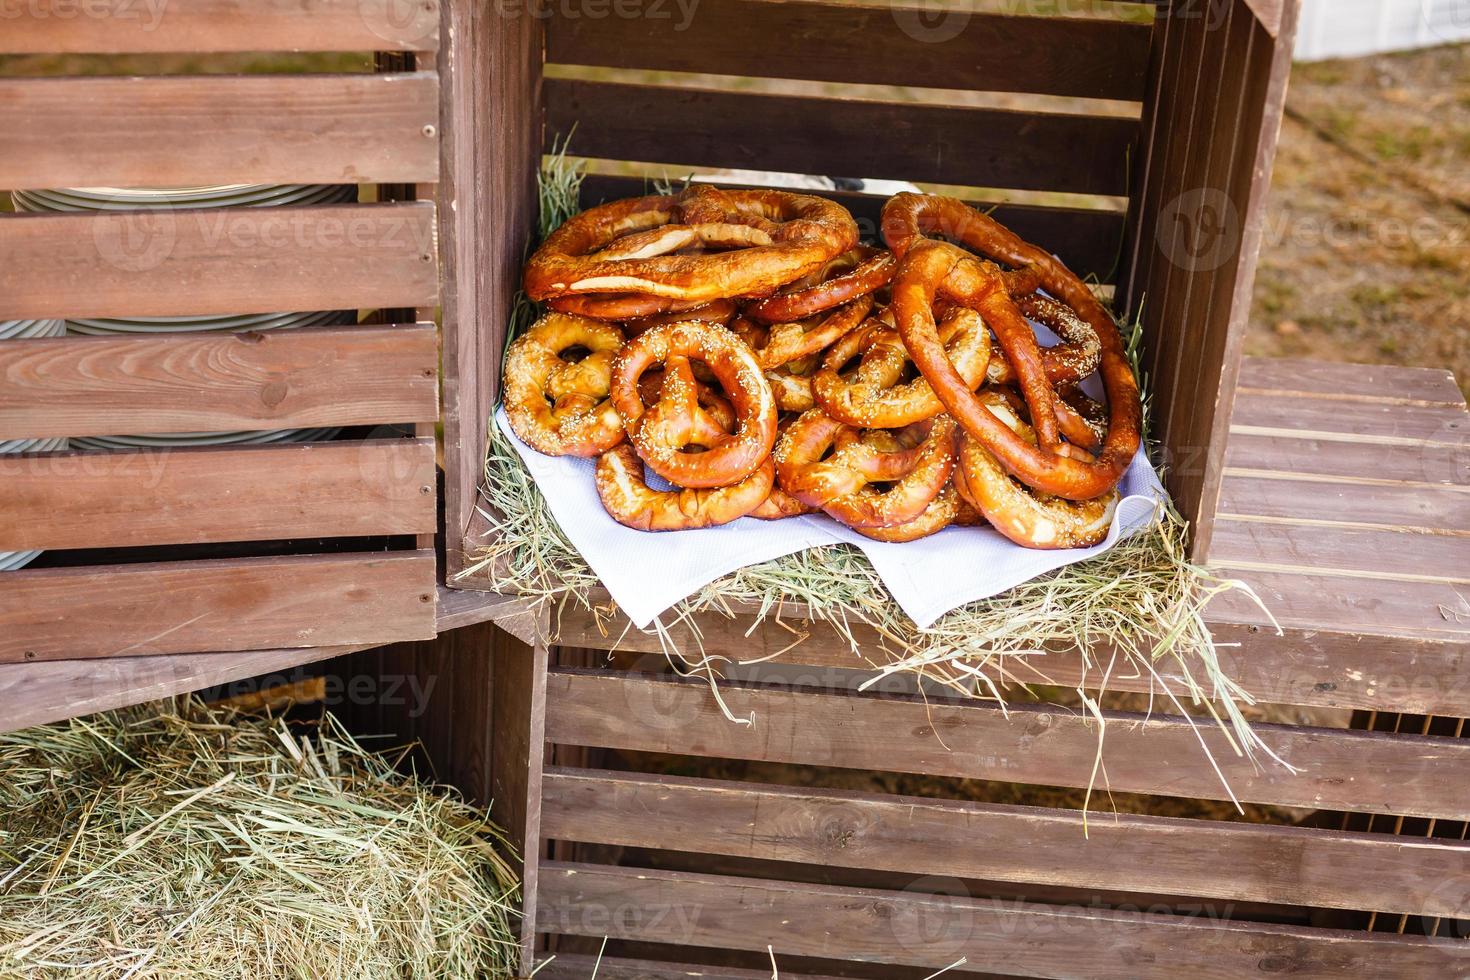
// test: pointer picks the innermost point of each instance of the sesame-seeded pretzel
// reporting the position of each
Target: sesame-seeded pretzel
(875, 394)
(662, 433)
(856, 272)
(631, 502)
(698, 245)
(915, 461)
(947, 509)
(560, 406)
(775, 344)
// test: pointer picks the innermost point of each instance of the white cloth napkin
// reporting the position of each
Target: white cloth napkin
(646, 573)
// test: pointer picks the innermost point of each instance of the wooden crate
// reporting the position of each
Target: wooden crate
(259, 548)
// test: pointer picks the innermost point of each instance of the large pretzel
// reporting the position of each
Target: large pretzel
(856, 272)
(662, 432)
(765, 238)
(559, 406)
(916, 462)
(929, 269)
(779, 343)
(874, 394)
(633, 503)
(1026, 518)
(944, 510)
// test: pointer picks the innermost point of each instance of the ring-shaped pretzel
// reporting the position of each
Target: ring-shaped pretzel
(930, 269)
(660, 433)
(776, 344)
(720, 311)
(1028, 519)
(558, 406)
(765, 238)
(946, 509)
(856, 272)
(840, 484)
(630, 501)
(791, 383)
(620, 307)
(874, 394)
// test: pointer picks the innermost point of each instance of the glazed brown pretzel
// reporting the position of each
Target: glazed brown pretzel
(931, 269)
(779, 343)
(875, 394)
(856, 272)
(631, 502)
(661, 433)
(917, 462)
(559, 406)
(768, 238)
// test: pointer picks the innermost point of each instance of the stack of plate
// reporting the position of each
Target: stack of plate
(95, 199)
(16, 330)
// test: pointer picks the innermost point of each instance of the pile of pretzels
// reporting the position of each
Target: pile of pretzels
(743, 346)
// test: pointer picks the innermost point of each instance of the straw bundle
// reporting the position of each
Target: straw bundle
(180, 842)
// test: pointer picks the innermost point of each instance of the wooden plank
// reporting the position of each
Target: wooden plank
(517, 756)
(1282, 865)
(492, 119)
(1269, 13)
(216, 605)
(208, 494)
(1395, 423)
(795, 134)
(145, 132)
(172, 263)
(864, 43)
(1087, 240)
(1440, 463)
(1304, 498)
(208, 26)
(934, 931)
(1305, 598)
(1325, 548)
(1313, 377)
(40, 693)
(1340, 770)
(326, 376)
(576, 966)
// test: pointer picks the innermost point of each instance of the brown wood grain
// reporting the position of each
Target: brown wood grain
(246, 260)
(1304, 497)
(207, 494)
(935, 930)
(1445, 464)
(1404, 421)
(581, 966)
(795, 134)
(1282, 865)
(327, 376)
(130, 27)
(866, 42)
(1312, 377)
(1043, 745)
(1087, 240)
(1325, 548)
(146, 131)
(216, 605)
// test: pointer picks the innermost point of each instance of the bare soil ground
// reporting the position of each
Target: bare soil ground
(1367, 250)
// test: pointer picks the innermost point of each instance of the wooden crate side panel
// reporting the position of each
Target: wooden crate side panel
(209, 26)
(1339, 770)
(328, 376)
(218, 261)
(1282, 865)
(934, 931)
(491, 112)
(867, 43)
(144, 132)
(203, 495)
(216, 605)
(797, 134)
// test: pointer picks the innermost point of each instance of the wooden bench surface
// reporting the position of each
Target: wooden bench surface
(1345, 501)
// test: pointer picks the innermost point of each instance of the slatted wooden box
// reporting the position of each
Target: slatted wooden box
(1136, 141)
(222, 549)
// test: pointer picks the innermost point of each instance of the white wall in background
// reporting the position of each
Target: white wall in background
(1346, 28)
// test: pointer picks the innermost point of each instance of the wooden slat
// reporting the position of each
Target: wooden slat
(1414, 422)
(328, 376)
(1087, 240)
(180, 131)
(206, 494)
(135, 27)
(1286, 452)
(573, 966)
(1054, 747)
(863, 43)
(972, 147)
(39, 693)
(1313, 377)
(1282, 865)
(1325, 548)
(1302, 497)
(347, 256)
(216, 605)
(934, 931)
(1304, 597)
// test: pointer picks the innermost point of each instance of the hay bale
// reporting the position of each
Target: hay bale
(184, 842)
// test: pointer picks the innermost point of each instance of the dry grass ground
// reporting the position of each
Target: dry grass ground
(1367, 252)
